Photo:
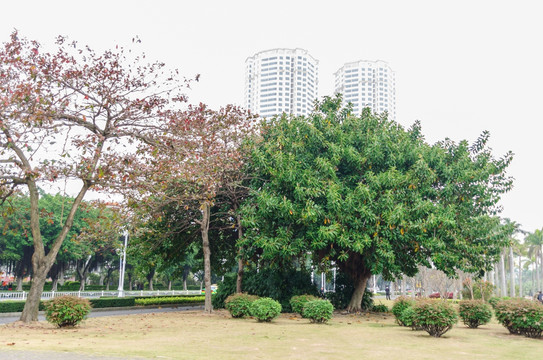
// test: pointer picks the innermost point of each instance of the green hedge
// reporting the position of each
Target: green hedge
(14, 306)
(171, 300)
(112, 302)
(105, 302)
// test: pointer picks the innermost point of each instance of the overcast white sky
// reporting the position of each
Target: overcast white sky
(461, 66)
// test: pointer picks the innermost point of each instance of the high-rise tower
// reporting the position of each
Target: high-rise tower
(281, 80)
(368, 84)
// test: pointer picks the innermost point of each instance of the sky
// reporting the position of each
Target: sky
(462, 67)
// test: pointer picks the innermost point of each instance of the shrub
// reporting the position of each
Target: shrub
(297, 302)
(170, 300)
(239, 304)
(435, 317)
(521, 317)
(67, 310)
(318, 311)
(265, 309)
(505, 311)
(406, 317)
(494, 300)
(278, 284)
(474, 313)
(106, 302)
(379, 308)
(400, 304)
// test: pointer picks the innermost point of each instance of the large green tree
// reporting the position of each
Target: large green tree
(366, 195)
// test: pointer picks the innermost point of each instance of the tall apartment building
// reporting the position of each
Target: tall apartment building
(368, 84)
(281, 80)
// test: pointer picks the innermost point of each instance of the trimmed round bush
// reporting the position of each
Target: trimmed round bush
(400, 304)
(239, 304)
(506, 311)
(436, 317)
(318, 311)
(66, 310)
(297, 302)
(474, 313)
(265, 309)
(521, 316)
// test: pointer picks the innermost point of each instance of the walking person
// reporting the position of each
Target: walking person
(387, 292)
(540, 296)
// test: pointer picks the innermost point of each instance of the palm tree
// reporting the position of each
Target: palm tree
(535, 251)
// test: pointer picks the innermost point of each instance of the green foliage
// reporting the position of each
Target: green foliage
(279, 284)
(400, 304)
(112, 302)
(474, 313)
(170, 300)
(265, 309)
(407, 318)
(481, 290)
(344, 290)
(493, 301)
(318, 311)
(297, 302)
(436, 317)
(520, 316)
(369, 195)
(67, 310)
(380, 308)
(239, 304)
(14, 306)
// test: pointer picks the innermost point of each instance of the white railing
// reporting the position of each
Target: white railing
(46, 295)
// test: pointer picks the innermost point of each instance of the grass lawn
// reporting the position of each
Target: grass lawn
(194, 335)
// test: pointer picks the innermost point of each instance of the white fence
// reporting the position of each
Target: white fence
(47, 295)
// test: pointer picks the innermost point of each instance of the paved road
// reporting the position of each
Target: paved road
(5, 319)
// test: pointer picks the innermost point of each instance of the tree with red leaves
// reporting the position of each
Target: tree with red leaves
(201, 161)
(75, 114)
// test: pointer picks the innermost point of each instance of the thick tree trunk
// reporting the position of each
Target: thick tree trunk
(404, 285)
(169, 285)
(150, 277)
(30, 311)
(239, 280)
(354, 267)
(186, 272)
(511, 273)
(19, 282)
(82, 269)
(355, 305)
(129, 281)
(208, 307)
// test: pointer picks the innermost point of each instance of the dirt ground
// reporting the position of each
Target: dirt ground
(195, 335)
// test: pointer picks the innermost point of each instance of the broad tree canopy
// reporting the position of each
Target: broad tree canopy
(73, 114)
(370, 197)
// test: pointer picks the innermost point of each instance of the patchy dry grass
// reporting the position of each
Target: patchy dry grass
(193, 335)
